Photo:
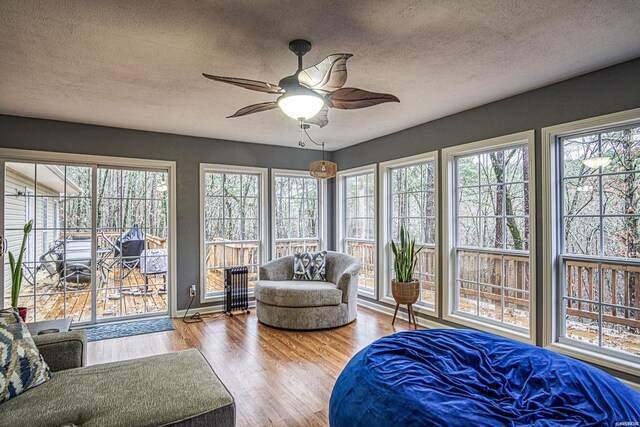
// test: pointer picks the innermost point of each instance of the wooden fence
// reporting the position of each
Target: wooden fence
(617, 298)
(153, 242)
(502, 278)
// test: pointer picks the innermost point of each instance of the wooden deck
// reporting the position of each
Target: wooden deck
(53, 300)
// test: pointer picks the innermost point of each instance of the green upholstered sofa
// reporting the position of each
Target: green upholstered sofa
(174, 389)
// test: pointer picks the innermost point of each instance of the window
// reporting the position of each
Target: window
(357, 222)
(83, 259)
(297, 221)
(233, 218)
(410, 200)
(597, 229)
(490, 233)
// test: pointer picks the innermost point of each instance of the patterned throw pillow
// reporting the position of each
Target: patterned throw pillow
(21, 365)
(309, 266)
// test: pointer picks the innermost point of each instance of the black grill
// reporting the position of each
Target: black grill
(236, 289)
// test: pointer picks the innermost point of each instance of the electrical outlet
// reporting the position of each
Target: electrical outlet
(192, 290)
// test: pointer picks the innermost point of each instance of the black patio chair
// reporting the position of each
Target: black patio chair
(126, 250)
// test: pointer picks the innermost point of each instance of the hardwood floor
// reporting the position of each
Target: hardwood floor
(277, 377)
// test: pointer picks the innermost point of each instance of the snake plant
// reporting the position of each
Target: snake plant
(405, 256)
(16, 266)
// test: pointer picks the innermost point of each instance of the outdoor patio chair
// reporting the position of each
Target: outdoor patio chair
(74, 261)
(126, 250)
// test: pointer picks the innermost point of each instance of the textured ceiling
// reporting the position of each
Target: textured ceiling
(138, 64)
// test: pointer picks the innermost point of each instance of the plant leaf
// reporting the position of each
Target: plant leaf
(256, 85)
(328, 75)
(352, 98)
(12, 263)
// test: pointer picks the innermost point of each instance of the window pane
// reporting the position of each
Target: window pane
(492, 215)
(582, 235)
(359, 223)
(601, 294)
(413, 206)
(582, 196)
(621, 194)
(297, 213)
(232, 224)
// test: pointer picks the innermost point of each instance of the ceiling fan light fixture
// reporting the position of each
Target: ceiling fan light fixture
(300, 103)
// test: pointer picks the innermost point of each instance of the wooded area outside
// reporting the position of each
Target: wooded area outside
(232, 225)
(58, 257)
(360, 225)
(413, 206)
(296, 208)
(600, 213)
(492, 235)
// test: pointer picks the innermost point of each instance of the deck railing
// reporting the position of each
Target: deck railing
(486, 275)
(502, 278)
(290, 247)
(153, 242)
(603, 290)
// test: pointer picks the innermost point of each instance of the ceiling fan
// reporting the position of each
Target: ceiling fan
(307, 94)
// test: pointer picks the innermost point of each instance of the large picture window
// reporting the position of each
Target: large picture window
(410, 200)
(599, 230)
(357, 228)
(297, 218)
(101, 245)
(232, 222)
(489, 223)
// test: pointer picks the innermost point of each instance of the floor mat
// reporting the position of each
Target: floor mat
(127, 329)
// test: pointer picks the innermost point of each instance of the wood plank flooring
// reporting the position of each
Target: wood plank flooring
(277, 377)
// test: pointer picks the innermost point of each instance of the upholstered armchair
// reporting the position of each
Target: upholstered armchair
(299, 304)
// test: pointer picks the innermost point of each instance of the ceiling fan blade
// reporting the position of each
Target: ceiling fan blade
(349, 98)
(328, 75)
(247, 84)
(255, 108)
(321, 119)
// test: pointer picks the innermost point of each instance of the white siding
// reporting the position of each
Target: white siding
(16, 218)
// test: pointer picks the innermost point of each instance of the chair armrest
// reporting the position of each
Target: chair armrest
(278, 269)
(64, 350)
(348, 283)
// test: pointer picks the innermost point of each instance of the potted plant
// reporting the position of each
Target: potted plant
(404, 288)
(16, 272)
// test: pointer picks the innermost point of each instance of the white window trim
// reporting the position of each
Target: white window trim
(263, 220)
(341, 210)
(384, 229)
(448, 253)
(322, 208)
(549, 208)
(89, 159)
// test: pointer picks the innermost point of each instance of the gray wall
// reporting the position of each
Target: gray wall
(609, 90)
(187, 152)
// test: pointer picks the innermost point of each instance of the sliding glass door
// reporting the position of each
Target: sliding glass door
(99, 245)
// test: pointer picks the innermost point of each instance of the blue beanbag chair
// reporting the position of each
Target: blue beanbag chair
(467, 378)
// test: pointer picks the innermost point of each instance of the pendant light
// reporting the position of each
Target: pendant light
(322, 169)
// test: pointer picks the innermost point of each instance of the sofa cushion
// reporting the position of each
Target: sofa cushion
(21, 364)
(170, 389)
(293, 293)
(310, 266)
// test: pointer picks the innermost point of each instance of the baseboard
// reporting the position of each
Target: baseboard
(210, 309)
(385, 309)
